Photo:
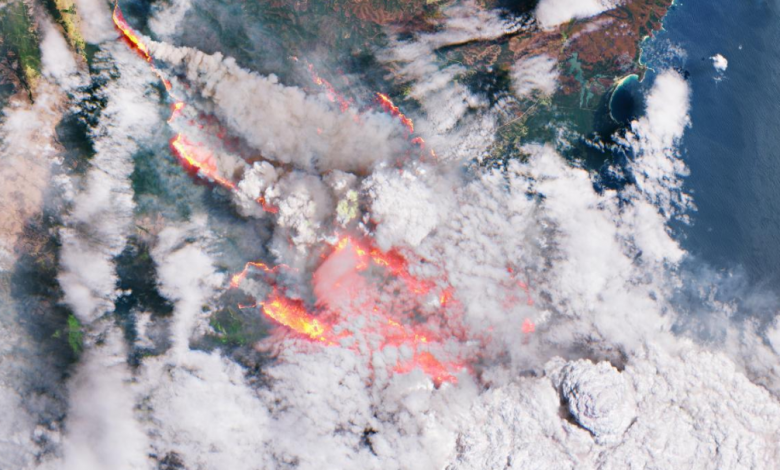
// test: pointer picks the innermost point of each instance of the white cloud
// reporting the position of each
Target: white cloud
(101, 216)
(405, 208)
(95, 21)
(656, 164)
(551, 13)
(101, 429)
(187, 278)
(57, 60)
(719, 62)
(537, 73)
(167, 17)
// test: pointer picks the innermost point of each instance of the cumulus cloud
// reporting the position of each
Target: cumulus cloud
(683, 403)
(95, 21)
(656, 165)
(405, 208)
(719, 62)
(187, 278)
(551, 13)
(537, 73)
(167, 17)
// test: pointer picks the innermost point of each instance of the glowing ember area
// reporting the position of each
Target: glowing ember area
(175, 110)
(266, 206)
(198, 159)
(236, 280)
(522, 285)
(389, 107)
(129, 34)
(392, 261)
(431, 366)
(330, 91)
(342, 291)
(293, 314)
(528, 326)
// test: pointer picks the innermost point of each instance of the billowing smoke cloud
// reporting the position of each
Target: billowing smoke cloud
(551, 13)
(552, 299)
(282, 122)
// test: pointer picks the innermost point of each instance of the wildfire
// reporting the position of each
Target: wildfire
(237, 279)
(389, 107)
(293, 314)
(267, 207)
(385, 327)
(432, 367)
(199, 160)
(175, 110)
(330, 91)
(130, 35)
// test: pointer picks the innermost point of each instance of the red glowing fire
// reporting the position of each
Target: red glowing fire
(348, 287)
(293, 315)
(342, 279)
(237, 279)
(129, 35)
(330, 91)
(175, 110)
(199, 160)
(389, 107)
(266, 206)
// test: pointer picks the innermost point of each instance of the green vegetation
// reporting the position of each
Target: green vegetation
(64, 13)
(20, 44)
(234, 328)
(75, 335)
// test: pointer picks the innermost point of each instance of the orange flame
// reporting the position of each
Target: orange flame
(293, 314)
(237, 279)
(129, 34)
(199, 160)
(389, 107)
(330, 91)
(267, 207)
(431, 366)
(528, 326)
(175, 110)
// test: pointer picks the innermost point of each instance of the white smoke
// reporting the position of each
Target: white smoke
(593, 270)
(282, 122)
(444, 100)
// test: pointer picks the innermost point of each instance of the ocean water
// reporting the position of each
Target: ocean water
(733, 146)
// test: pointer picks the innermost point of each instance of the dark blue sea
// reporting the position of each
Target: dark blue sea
(733, 146)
